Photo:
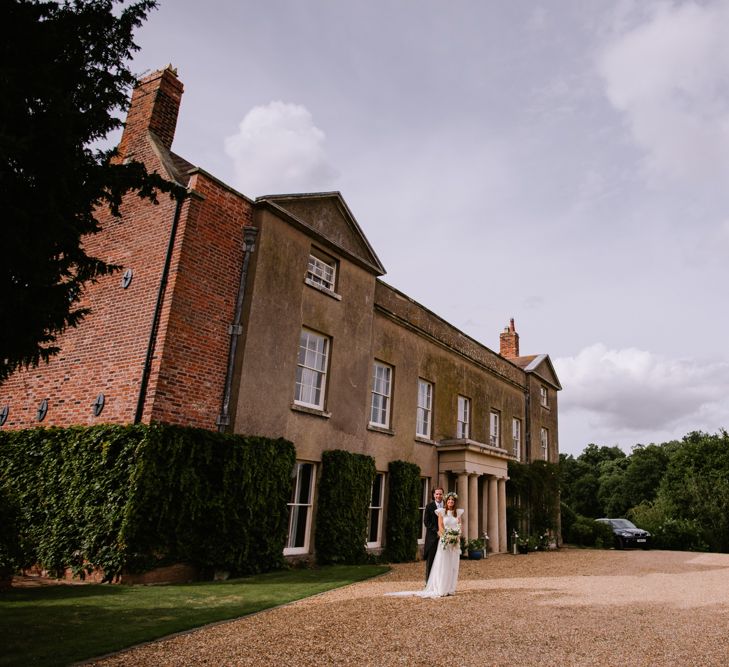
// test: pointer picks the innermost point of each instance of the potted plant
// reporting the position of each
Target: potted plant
(475, 549)
(522, 544)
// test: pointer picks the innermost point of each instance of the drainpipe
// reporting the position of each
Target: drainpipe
(181, 195)
(236, 329)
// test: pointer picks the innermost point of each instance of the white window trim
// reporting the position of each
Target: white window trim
(316, 275)
(426, 410)
(322, 372)
(544, 396)
(387, 397)
(463, 423)
(495, 428)
(424, 499)
(544, 441)
(380, 507)
(516, 437)
(294, 551)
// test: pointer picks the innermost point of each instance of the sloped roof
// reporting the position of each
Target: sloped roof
(327, 215)
(540, 365)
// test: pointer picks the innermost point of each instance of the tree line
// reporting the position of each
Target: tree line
(677, 490)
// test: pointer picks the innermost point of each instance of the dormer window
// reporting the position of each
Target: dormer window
(322, 271)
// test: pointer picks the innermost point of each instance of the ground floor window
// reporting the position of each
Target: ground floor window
(374, 536)
(424, 488)
(300, 509)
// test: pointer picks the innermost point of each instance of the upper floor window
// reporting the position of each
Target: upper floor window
(463, 429)
(544, 396)
(381, 394)
(495, 429)
(322, 270)
(425, 409)
(311, 372)
(544, 439)
(516, 437)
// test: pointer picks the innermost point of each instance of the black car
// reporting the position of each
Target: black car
(627, 535)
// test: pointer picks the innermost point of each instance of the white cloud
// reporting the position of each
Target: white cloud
(279, 149)
(633, 390)
(668, 76)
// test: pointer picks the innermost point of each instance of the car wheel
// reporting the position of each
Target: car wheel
(619, 543)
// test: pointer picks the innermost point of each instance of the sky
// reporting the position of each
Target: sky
(563, 163)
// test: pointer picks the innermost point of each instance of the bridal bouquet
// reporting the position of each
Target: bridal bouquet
(451, 538)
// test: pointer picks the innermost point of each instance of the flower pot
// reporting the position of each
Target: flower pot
(522, 548)
(475, 555)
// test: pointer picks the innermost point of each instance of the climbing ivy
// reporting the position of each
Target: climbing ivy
(345, 491)
(403, 512)
(130, 498)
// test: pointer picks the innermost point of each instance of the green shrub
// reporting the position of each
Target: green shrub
(586, 532)
(10, 552)
(129, 498)
(403, 512)
(345, 491)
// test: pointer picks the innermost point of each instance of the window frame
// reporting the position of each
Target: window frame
(293, 522)
(386, 398)
(379, 476)
(544, 442)
(463, 420)
(495, 425)
(516, 437)
(425, 410)
(302, 368)
(543, 396)
(315, 275)
(424, 500)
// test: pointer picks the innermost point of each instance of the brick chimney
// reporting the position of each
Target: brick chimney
(509, 341)
(154, 106)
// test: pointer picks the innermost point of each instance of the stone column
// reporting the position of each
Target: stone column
(443, 481)
(493, 528)
(462, 491)
(485, 505)
(472, 507)
(502, 515)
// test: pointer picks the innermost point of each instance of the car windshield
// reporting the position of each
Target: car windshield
(622, 523)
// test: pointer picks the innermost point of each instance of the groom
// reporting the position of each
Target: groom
(431, 530)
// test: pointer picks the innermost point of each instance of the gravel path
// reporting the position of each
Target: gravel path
(571, 607)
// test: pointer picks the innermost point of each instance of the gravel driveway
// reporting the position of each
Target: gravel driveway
(570, 607)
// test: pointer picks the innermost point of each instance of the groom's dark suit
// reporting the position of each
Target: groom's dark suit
(431, 536)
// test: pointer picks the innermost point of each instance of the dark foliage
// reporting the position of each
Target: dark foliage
(63, 75)
(533, 497)
(345, 491)
(403, 512)
(129, 498)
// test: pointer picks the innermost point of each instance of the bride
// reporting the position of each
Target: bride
(444, 573)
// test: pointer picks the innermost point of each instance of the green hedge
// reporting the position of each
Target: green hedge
(345, 491)
(129, 498)
(403, 512)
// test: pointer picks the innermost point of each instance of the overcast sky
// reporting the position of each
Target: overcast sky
(564, 163)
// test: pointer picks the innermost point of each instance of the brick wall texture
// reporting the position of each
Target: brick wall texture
(106, 353)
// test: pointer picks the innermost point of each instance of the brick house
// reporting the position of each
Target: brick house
(270, 317)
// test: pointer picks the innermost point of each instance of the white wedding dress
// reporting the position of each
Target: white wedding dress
(444, 573)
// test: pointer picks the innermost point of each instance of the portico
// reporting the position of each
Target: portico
(478, 474)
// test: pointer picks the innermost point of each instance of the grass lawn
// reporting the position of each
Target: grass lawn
(58, 625)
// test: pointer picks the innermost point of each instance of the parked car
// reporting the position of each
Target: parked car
(627, 534)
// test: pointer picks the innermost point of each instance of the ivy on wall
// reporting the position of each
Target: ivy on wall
(403, 512)
(345, 491)
(533, 495)
(129, 498)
